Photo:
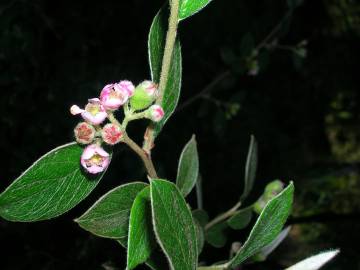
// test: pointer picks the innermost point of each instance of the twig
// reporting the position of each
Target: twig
(205, 90)
(223, 216)
(149, 137)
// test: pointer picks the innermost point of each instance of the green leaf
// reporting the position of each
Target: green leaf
(216, 235)
(156, 46)
(109, 216)
(201, 216)
(174, 225)
(315, 262)
(200, 236)
(156, 261)
(240, 220)
(213, 267)
(141, 240)
(267, 226)
(190, 7)
(53, 185)
(250, 168)
(188, 169)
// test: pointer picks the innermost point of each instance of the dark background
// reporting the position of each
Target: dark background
(303, 109)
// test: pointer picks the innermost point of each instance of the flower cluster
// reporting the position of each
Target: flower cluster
(137, 103)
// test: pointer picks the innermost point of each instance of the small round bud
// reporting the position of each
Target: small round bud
(271, 190)
(84, 133)
(112, 96)
(144, 95)
(95, 159)
(111, 134)
(155, 113)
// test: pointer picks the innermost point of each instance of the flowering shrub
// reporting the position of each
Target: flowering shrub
(151, 220)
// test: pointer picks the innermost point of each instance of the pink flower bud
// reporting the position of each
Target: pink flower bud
(155, 113)
(149, 87)
(94, 112)
(95, 159)
(127, 85)
(84, 133)
(113, 96)
(111, 134)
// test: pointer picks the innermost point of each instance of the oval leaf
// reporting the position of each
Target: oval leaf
(188, 169)
(156, 46)
(109, 216)
(268, 225)
(315, 262)
(240, 220)
(141, 239)
(190, 7)
(216, 235)
(250, 168)
(174, 225)
(53, 185)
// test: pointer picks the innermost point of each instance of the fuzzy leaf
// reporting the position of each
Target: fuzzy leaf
(240, 220)
(216, 235)
(268, 225)
(315, 262)
(156, 46)
(190, 7)
(53, 185)
(201, 216)
(188, 169)
(141, 239)
(174, 226)
(109, 216)
(250, 168)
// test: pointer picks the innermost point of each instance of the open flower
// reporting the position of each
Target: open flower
(95, 159)
(94, 113)
(155, 113)
(84, 133)
(114, 95)
(111, 134)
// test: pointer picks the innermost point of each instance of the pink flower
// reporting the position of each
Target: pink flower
(127, 85)
(84, 133)
(155, 113)
(95, 159)
(94, 113)
(111, 134)
(114, 95)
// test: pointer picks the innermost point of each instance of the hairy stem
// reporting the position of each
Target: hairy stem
(136, 148)
(165, 67)
(223, 216)
(141, 153)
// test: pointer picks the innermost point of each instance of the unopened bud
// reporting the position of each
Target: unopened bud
(144, 95)
(155, 113)
(271, 190)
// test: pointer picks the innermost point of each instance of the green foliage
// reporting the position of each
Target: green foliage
(156, 45)
(216, 235)
(190, 7)
(52, 186)
(173, 224)
(188, 170)
(250, 168)
(267, 226)
(242, 219)
(109, 216)
(141, 240)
